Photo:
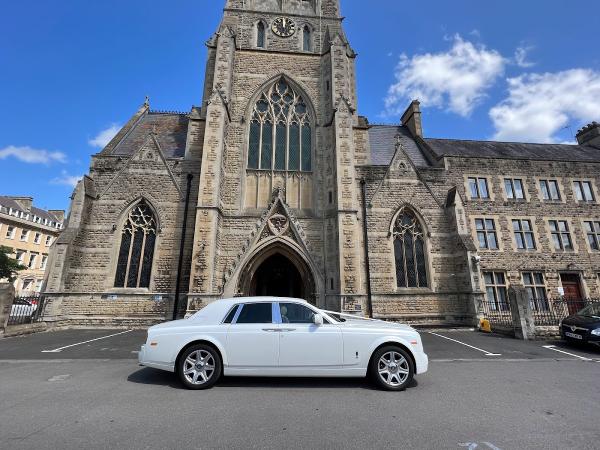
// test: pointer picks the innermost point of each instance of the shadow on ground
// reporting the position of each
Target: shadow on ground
(161, 378)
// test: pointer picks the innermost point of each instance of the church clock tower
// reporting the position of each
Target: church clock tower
(277, 209)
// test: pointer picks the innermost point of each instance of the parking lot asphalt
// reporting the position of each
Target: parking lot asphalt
(440, 345)
(77, 389)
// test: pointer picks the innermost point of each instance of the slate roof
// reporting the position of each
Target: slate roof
(383, 140)
(7, 202)
(171, 132)
(513, 150)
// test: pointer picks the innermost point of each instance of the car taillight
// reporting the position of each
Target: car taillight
(34, 302)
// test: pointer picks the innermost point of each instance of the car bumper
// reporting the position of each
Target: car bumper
(145, 359)
(585, 338)
(422, 362)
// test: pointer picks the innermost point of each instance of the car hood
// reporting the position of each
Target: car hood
(581, 321)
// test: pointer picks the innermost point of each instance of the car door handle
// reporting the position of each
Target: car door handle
(271, 330)
(287, 330)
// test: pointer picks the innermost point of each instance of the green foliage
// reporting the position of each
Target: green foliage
(9, 267)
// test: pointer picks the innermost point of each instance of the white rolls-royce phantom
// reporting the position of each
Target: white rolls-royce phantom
(283, 338)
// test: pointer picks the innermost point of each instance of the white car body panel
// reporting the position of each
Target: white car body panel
(335, 349)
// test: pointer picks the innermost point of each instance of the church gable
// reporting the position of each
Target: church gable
(146, 163)
(276, 224)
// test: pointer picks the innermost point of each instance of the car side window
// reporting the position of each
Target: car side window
(256, 313)
(295, 313)
(231, 314)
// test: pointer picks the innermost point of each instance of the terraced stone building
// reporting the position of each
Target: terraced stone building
(275, 185)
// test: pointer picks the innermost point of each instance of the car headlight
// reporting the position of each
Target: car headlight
(596, 332)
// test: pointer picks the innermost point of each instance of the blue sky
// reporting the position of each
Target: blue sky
(72, 71)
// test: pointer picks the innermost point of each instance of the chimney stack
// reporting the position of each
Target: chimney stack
(589, 135)
(411, 119)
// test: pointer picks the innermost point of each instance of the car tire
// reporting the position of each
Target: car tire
(391, 368)
(199, 367)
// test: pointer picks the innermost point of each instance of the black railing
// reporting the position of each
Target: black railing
(26, 310)
(498, 313)
(559, 309)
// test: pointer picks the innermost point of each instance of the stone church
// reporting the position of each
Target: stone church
(275, 185)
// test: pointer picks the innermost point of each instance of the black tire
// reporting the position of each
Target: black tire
(208, 362)
(404, 363)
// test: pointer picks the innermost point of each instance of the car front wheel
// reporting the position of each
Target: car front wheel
(391, 368)
(199, 367)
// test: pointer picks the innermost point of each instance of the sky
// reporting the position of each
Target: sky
(72, 72)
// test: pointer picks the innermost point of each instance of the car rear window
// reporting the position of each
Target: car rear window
(256, 313)
(231, 314)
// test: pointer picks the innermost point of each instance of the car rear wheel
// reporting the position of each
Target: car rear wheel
(391, 368)
(199, 367)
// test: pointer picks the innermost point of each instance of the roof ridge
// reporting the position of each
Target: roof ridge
(166, 112)
(499, 142)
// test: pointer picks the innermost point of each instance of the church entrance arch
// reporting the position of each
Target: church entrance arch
(277, 271)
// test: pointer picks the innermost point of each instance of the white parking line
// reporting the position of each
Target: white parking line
(58, 350)
(485, 352)
(553, 348)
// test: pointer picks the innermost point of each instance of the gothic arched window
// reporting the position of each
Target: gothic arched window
(409, 249)
(137, 248)
(260, 35)
(280, 131)
(306, 39)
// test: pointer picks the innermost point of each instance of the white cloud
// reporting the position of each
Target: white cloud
(521, 54)
(456, 80)
(105, 136)
(32, 155)
(66, 179)
(538, 106)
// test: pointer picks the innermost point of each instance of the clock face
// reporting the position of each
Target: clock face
(284, 27)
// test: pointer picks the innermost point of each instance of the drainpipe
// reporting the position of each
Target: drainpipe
(190, 177)
(363, 190)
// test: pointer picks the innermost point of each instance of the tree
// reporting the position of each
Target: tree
(9, 267)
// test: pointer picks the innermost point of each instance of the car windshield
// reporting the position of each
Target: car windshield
(591, 311)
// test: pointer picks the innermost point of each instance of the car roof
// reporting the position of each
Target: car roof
(237, 300)
(214, 312)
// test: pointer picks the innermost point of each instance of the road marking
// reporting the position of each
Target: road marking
(58, 350)
(466, 345)
(553, 348)
(59, 378)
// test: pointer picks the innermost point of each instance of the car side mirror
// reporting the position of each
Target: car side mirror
(318, 320)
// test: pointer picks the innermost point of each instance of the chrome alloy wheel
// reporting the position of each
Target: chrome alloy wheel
(199, 367)
(393, 368)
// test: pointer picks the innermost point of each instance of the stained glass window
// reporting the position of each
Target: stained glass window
(287, 146)
(136, 253)
(409, 248)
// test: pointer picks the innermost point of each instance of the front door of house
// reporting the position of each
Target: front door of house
(573, 293)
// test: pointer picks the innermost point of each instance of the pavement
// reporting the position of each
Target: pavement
(83, 388)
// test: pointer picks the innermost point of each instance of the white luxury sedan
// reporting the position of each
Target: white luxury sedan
(283, 338)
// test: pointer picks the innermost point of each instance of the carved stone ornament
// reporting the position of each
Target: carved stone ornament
(278, 224)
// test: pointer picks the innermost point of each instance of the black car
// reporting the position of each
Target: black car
(583, 327)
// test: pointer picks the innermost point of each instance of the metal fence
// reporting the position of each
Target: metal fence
(26, 310)
(559, 309)
(498, 313)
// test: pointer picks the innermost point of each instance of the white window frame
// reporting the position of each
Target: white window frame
(477, 194)
(511, 194)
(547, 182)
(581, 195)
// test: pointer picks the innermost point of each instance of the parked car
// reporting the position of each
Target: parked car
(283, 338)
(23, 308)
(582, 327)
